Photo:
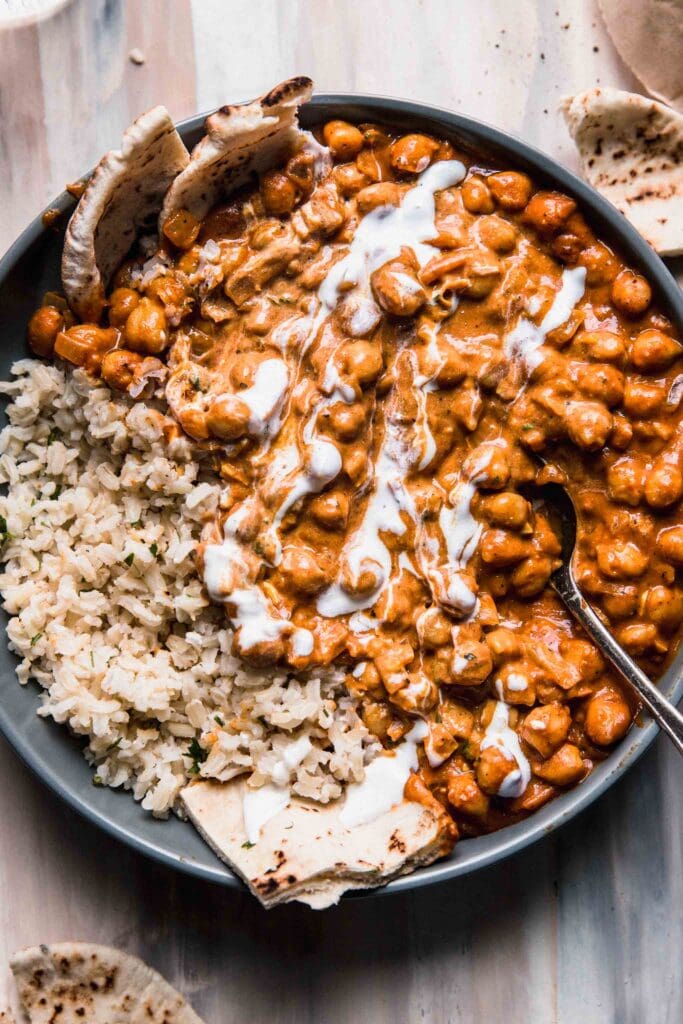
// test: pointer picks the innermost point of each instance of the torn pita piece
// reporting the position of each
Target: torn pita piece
(648, 35)
(122, 199)
(306, 852)
(240, 140)
(75, 982)
(631, 151)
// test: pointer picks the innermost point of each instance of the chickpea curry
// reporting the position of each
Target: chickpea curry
(382, 347)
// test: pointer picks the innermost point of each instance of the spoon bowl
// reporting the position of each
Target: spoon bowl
(558, 502)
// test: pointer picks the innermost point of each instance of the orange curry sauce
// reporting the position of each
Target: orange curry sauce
(371, 344)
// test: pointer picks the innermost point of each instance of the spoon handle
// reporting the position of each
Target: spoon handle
(662, 710)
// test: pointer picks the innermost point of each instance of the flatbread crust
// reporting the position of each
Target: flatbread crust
(73, 982)
(239, 141)
(306, 853)
(122, 198)
(648, 35)
(631, 151)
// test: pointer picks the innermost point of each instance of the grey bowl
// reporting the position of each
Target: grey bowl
(31, 267)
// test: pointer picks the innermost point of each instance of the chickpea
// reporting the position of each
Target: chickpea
(600, 263)
(344, 139)
(122, 302)
(507, 509)
(588, 424)
(531, 576)
(302, 571)
(499, 549)
(642, 399)
(584, 656)
(654, 350)
(602, 346)
(546, 727)
(264, 652)
(471, 663)
(193, 421)
(547, 212)
(465, 796)
(621, 605)
(476, 195)
(494, 475)
(377, 718)
(355, 464)
(85, 345)
(146, 327)
(349, 179)
(381, 193)
(622, 432)
(621, 559)
(227, 418)
(664, 607)
(346, 421)
(638, 637)
(433, 628)
(663, 484)
(120, 368)
(493, 767)
(362, 361)
(278, 192)
(567, 248)
(331, 510)
(182, 229)
(608, 717)
(631, 293)
(564, 768)
(43, 328)
(503, 643)
(498, 234)
(670, 544)
(626, 481)
(603, 382)
(392, 662)
(412, 154)
(397, 289)
(511, 189)
(457, 719)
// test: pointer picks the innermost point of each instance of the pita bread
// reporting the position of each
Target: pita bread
(123, 197)
(306, 853)
(240, 140)
(6, 1017)
(75, 981)
(631, 151)
(648, 36)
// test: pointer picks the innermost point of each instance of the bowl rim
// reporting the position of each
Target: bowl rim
(470, 854)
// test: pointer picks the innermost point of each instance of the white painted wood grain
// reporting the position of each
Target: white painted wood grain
(584, 928)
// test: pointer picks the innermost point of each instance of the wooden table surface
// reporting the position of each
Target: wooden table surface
(586, 926)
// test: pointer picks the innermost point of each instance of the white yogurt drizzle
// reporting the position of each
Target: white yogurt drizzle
(260, 805)
(266, 396)
(383, 232)
(366, 550)
(526, 338)
(380, 236)
(384, 782)
(499, 734)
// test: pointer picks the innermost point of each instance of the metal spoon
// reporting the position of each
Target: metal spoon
(556, 498)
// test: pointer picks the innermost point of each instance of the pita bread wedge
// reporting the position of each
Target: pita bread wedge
(631, 151)
(306, 852)
(75, 981)
(648, 35)
(239, 141)
(123, 196)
